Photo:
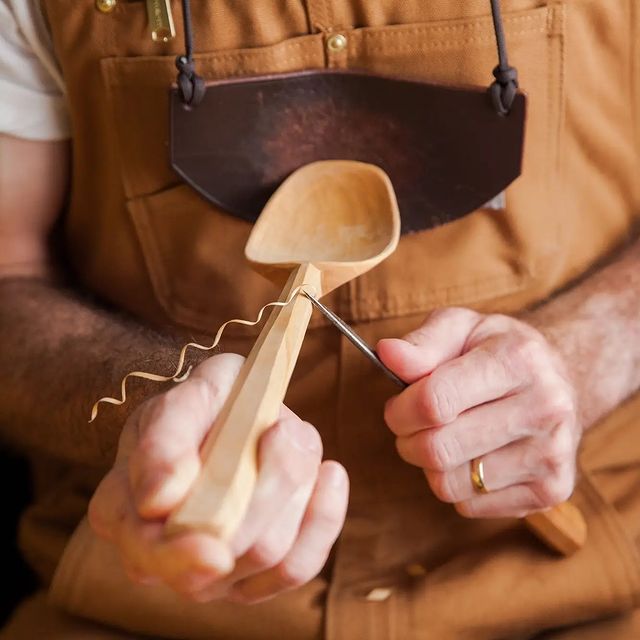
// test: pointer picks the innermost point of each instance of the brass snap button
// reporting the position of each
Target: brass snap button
(337, 43)
(106, 6)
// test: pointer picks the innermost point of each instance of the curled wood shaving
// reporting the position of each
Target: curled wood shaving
(179, 375)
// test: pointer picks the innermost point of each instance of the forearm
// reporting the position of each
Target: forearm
(596, 328)
(59, 354)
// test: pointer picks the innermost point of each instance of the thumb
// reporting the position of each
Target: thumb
(172, 427)
(442, 337)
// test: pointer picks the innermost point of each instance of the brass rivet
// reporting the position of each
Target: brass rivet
(105, 6)
(337, 43)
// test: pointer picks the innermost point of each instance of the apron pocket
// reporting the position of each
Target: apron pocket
(195, 257)
(194, 254)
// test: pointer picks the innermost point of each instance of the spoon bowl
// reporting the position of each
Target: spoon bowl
(340, 216)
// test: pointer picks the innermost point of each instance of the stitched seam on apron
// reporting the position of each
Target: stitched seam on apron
(557, 16)
(317, 12)
(435, 43)
(469, 23)
(555, 52)
(398, 31)
(328, 14)
(153, 254)
(204, 58)
(506, 281)
(246, 70)
(436, 46)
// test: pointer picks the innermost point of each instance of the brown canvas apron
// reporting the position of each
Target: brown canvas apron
(152, 246)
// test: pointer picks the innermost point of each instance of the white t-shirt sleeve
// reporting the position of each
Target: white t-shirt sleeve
(32, 94)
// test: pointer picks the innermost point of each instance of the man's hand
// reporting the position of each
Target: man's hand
(485, 386)
(296, 513)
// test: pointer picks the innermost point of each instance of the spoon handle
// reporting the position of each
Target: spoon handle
(220, 495)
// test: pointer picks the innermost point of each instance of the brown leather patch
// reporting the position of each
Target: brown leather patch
(445, 148)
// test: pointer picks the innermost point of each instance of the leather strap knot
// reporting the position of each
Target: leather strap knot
(190, 84)
(503, 90)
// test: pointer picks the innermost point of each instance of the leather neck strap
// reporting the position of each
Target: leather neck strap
(502, 90)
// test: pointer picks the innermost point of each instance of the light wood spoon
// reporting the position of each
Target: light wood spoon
(328, 223)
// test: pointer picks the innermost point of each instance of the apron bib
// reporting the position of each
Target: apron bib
(146, 242)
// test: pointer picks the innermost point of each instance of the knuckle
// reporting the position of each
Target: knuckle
(440, 314)
(221, 367)
(494, 322)
(528, 353)
(439, 452)
(207, 389)
(488, 326)
(446, 314)
(557, 406)
(436, 402)
(443, 315)
(150, 456)
(290, 459)
(231, 360)
(558, 453)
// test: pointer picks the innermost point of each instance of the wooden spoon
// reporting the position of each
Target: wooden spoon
(328, 223)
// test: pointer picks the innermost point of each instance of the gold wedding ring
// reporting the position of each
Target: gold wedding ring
(477, 476)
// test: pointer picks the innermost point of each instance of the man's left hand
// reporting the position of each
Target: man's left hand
(489, 387)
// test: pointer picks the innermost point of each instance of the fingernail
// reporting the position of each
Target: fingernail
(336, 476)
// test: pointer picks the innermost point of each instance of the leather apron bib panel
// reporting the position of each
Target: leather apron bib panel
(151, 245)
(245, 136)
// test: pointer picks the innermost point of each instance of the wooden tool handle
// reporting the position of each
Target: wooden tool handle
(563, 528)
(220, 496)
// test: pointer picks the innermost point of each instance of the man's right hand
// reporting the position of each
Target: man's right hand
(296, 512)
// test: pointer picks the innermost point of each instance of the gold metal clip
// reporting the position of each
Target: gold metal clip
(161, 20)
